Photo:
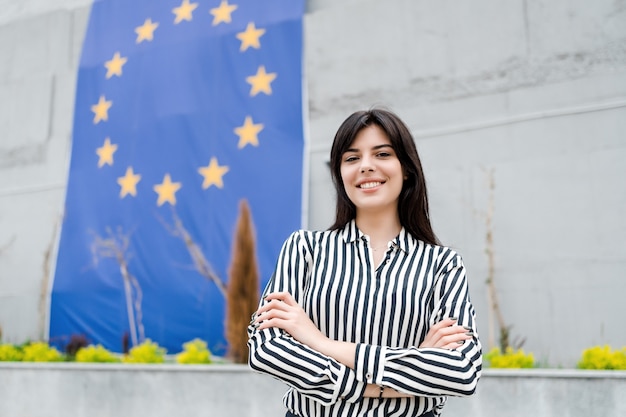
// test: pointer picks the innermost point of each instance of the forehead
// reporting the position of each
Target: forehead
(369, 137)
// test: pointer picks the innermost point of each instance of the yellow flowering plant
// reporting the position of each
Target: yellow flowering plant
(40, 352)
(194, 352)
(10, 353)
(95, 353)
(510, 358)
(603, 357)
(146, 352)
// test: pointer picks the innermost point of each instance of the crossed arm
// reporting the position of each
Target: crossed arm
(281, 311)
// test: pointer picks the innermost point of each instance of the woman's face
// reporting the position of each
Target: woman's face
(371, 172)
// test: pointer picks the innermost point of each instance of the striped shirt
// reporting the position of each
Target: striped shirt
(386, 310)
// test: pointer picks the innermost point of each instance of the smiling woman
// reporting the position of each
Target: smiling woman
(356, 330)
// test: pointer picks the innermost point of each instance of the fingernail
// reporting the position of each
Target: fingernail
(469, 334)
(255, 326)
(460, 342)
(467, 328)
(454, 318)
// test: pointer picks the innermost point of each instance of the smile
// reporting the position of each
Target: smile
(372, 184)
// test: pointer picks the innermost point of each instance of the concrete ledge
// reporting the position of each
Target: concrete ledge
(103, 390)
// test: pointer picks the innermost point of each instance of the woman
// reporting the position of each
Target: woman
(371, 317)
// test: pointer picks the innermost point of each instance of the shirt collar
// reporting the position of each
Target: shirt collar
(351, 233)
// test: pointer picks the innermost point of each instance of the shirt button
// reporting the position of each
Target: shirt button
(368, 376)
(387, 261)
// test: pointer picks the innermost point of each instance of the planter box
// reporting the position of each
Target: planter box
(545, 393)
(105, 390)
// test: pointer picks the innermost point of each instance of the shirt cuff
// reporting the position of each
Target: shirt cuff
(350, 389)
(370, 363)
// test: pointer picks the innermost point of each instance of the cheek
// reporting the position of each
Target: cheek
(345, 175)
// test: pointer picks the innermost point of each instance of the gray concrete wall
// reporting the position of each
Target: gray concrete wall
(531, 91)
(77, 390)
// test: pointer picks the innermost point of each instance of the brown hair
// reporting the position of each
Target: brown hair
(413, 200)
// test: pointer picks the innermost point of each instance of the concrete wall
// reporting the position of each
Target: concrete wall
(531, 92)
(77, 390)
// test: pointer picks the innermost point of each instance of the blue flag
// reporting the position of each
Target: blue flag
(183, 108)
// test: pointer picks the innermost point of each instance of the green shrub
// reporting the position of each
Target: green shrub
(146, 352)
(510, 358)
(41, 352)
(10, 353)
(195, 351)
(603, 357)
(96, 353)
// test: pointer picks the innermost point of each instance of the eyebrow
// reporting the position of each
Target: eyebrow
(375, 148)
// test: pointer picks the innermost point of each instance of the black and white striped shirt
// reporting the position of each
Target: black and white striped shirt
(386, 310)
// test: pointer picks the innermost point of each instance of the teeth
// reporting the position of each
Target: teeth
(370, 184)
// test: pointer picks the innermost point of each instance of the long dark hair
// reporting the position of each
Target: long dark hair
(413, 200)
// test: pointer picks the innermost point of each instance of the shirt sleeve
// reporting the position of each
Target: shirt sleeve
(274, 352)
(431, 371)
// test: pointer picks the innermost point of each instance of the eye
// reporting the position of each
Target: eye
(350, 158)
(383, 154)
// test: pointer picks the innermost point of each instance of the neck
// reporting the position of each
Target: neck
(380, 228)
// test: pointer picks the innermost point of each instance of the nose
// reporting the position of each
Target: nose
(366, 165)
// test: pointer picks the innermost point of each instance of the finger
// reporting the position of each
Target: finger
(446, 336)
(454, 338)
(443, 324)
(445, 331)
(283, 296)
(457, 339)
(277, 320)
(272, 305)
(452, 346)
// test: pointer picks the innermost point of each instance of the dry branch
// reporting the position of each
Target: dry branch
(200, 262)
(116, 247)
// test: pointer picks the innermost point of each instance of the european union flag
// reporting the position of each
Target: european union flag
(183, 108)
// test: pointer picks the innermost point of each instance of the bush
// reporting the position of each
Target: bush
(77, 342)
(41, 352)
(510, 358)
(10, 353)
(195, 351)
(146, 352)
(603, 357)
(96, 353)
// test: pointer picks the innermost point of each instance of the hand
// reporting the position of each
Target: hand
(283, 312)
(447, 335)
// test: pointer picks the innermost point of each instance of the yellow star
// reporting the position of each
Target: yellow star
(167, 190)
(114, 66)
(250, 37)
(145, 32)
(213, 174)
(128, 183)
(261, 81)
(183, 12)
(248, 133)
(222, 13)
(101, 110)
(106, 152)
